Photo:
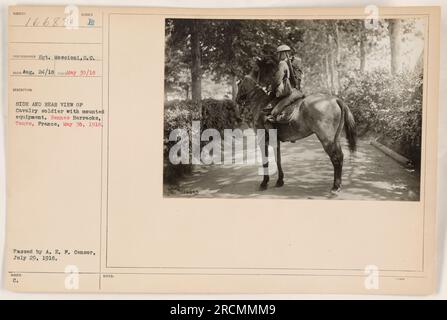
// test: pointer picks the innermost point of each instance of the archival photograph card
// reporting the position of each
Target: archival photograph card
(280, 150)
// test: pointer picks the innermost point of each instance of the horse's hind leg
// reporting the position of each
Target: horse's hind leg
(333, 149)
(337, 162)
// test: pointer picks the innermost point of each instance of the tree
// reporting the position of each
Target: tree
(230, 46)
(177, 79)
(362, 46)
(331, 50)
(394, 28)
(196, 72)
(223, 48)
(183, 46)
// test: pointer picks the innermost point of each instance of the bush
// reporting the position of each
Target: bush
(216, 114)
(389, 107)
(219, 114)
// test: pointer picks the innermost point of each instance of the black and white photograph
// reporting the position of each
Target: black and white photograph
(300, 109)
(253, 150)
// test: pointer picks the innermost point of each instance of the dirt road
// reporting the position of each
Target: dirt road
(367, 175)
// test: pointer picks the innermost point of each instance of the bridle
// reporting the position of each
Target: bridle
(257, 86)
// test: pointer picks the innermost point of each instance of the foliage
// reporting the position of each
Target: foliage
(227, 46)
(177, 114)
(390, 107)
(219, 114)
(216, 114)
(341, 57)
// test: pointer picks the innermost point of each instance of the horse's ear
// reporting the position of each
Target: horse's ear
(273, 59)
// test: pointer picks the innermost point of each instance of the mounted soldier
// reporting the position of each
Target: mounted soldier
(286, 83)
(321, 114)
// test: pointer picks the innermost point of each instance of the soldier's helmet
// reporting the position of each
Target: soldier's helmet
(283, 48)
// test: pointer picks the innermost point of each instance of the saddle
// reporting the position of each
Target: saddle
(285, 115)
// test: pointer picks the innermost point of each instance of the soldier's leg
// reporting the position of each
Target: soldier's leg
(294, 95)
(268, 110)
(269, 107)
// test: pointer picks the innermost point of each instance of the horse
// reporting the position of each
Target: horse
(321, 114)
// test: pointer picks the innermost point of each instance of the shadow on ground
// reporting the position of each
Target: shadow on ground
(367, 175)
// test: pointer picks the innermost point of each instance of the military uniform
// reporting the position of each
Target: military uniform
(286, 84)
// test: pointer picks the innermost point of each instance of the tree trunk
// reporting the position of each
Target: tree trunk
(333, 66)
(233, 87)
(362, 37)
(328, 72)
(337, 62)
(166, 91)
(394, 28)
(187, 91)
(196, 73)
(331, 71)
(337, 43)
(419, 67)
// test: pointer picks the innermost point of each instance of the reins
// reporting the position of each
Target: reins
(256, 87)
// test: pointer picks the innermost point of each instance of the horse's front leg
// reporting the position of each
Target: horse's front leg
(264, 146)
(280, 181)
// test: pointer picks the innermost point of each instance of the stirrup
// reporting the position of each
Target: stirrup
(267, 108)
(282, 118)
(270, 118)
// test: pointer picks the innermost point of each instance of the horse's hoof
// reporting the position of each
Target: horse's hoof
(336, 190)
(279, 183)
(263, 187)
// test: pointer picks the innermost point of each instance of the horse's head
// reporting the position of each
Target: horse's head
(252, 88)
(268, 66)
(245, 89)
(261, 76)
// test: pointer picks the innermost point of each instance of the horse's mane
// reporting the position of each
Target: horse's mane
(266, 68)
(268, 63)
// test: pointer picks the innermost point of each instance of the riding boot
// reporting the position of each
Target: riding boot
(267, 110)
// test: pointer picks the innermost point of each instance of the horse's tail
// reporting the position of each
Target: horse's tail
(349, 123)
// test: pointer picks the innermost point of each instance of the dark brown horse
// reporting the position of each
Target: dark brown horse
(320, 114)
